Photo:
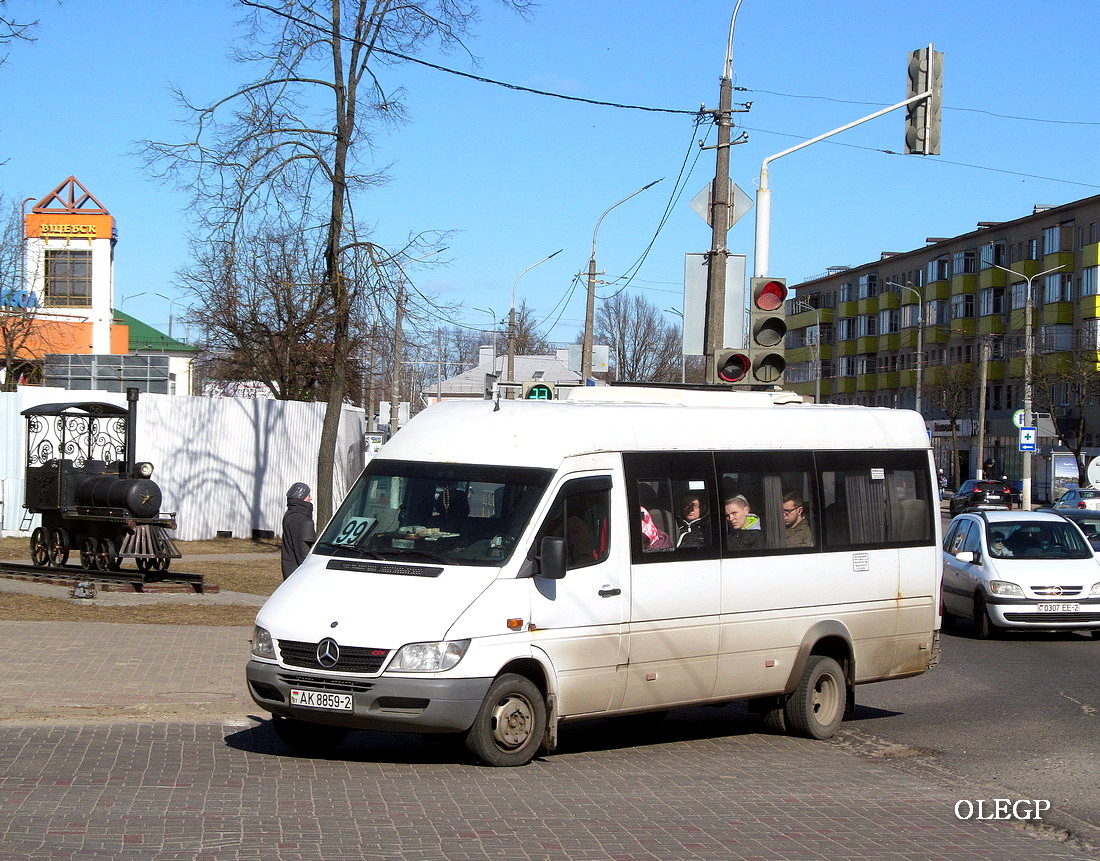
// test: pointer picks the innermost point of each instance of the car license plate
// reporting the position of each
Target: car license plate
(992, 497)
(1060, 607)
(320, 700)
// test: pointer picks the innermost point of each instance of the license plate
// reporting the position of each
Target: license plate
(320, 700)
(1059, 607)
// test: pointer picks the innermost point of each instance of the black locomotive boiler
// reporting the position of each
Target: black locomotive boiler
(94, 498)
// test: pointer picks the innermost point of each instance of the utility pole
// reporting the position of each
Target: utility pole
(719, 220)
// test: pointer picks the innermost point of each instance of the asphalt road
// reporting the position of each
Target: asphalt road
(1012, 717)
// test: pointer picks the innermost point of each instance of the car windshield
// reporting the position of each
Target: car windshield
(450, 514)
(1089, 494)
(1031, 539)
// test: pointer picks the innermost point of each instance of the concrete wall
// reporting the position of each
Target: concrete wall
(223, 464)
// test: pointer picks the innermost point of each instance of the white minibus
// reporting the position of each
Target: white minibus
(500, 568)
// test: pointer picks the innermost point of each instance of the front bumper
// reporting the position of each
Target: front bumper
(378, 703)
(1025, 613)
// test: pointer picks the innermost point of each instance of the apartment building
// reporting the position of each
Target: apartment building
(869, 334)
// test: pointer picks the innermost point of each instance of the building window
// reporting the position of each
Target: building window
(962, 263)
(1088, 281)
(1019, 295)
(910, 316)
(1055, 338)
(868, 286)
(868, 325)
(889, 321)
(939, 269)
(847, 292)
(68, 277)
(1058, 288)
(994, 254)
(938, 313)
(991, 301)
(1031, 252)
(847, 328)
(962, 305)
(1058, 238)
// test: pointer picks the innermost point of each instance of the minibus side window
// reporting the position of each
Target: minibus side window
(877, 499)
(767, 502)
(675, 516)
(581, 515)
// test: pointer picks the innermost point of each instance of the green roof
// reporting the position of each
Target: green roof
(144, 337)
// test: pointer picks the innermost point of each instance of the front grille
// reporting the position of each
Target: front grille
(1057, 591)
(317, 683)
(1052, 618)
(353, 659)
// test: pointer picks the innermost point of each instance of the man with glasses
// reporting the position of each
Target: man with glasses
(794, 519)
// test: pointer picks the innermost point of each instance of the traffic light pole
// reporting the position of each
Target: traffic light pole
(763, 193)
(719, 220)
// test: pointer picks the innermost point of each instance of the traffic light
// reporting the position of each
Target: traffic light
(767, 330)
(534, 391)
(732, 366)
(922, 119)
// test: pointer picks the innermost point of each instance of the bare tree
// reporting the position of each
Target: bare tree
(288, 145)
(12, 30)
(24, 335)
(952, 390)
(644, 346)
(1067, 385)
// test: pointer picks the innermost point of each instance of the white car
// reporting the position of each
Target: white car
(1022, 570)
(1079, 497)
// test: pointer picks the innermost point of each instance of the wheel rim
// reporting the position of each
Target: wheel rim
(87, 554)
(105, 554)
(59, 547)
(40, 547)
(513, 719)
(827, 698)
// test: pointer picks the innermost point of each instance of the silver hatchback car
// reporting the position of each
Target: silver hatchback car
(1020, 569)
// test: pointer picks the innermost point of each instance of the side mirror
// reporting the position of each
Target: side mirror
(552, 558)
(967, 556)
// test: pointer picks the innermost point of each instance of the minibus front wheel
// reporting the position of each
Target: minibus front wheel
(510, 724)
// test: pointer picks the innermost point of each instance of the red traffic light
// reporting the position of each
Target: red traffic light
(732, 367)
(769, 294)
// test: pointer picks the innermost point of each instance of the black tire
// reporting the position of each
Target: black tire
(59, 547)
(308, 738)
(984, 627)
(817, 706)
(105, 556)
(510, 724)
(88, 550)
(40, 547)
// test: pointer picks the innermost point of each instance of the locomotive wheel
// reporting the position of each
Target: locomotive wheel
(88, 554)
(163, 562)
(40, 547)
(59, 547)
(105, 556)
(144, 564)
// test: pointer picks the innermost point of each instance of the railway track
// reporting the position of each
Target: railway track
(122, 580)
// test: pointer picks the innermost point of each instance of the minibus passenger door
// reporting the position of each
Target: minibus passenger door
(577, 620)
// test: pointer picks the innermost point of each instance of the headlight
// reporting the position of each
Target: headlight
(429, 657)
(1094, 592)
(262, 644)
(1001, 587)
(143, 469)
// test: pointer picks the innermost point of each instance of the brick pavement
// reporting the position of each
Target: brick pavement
(134, 741)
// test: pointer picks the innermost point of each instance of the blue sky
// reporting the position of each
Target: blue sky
(518, 176)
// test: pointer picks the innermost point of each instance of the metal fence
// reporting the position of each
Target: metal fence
(223, 464)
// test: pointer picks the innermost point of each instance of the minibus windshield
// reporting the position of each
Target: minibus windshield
(446, 513)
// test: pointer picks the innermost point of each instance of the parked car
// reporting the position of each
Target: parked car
(1086, 518)
(981, 494)
(1079, 497)
(1020, 569)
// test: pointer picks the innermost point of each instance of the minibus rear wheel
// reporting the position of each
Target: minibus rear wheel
(510, 724)
(308, 738)
(816, 707)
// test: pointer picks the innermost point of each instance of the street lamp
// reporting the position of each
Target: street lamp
(171, 310)
(122, 301)
(590, 310)
(512, 318)
(683, 358)
(803, 305)
(1025, 484)
(920, 341)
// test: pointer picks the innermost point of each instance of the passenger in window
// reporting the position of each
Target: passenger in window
(694, 524)
(744, 526)
(796, 526)
(652, 537)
